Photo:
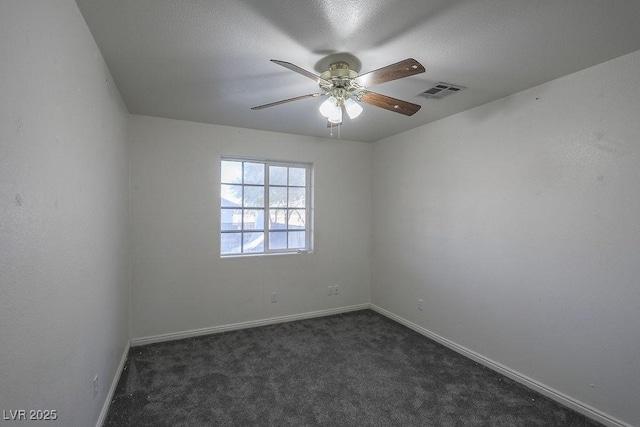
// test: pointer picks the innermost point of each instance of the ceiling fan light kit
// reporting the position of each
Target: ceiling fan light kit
(331, 109)
(353, 108)
(345, 89)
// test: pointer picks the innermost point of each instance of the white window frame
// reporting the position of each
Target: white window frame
(265, 229)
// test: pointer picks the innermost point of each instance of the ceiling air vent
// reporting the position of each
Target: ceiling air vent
(441, 90)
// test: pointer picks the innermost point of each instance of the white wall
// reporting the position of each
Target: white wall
(518, 223)
(63, 214)
(179, 281)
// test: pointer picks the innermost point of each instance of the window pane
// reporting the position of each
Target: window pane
(296, 219)
(249, 207)
(298, 176)
(296, 197)
(252, 242)
(230, 195)
(277, 219)
(277, 197)
(277, 175)
(254, 197)
(230, 243)
(231, 219)
(296, 239)
(231, 172)
(253, 173)
(253, 219)
(278, 240)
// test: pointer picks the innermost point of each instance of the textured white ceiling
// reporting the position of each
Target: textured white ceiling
(208, 61)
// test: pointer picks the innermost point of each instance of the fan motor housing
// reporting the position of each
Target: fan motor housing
(341, 78)
(339, 70)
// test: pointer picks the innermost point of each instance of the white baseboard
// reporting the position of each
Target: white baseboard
(559, 397)
(243, 325)
(114, 385)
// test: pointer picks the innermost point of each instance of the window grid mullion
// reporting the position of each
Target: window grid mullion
(286, 219)
(265, 217)
(242, 211)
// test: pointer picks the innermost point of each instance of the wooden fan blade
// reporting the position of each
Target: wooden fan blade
(302, 71)
(401, 69)
(284, 101)
(391, 104)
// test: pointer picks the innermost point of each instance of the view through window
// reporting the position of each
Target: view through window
(264, 207)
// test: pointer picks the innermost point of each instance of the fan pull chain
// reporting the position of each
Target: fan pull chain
(334, 126)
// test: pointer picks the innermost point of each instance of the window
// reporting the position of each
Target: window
(264, 207)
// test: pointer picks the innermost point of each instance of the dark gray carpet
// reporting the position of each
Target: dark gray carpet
(357, 368)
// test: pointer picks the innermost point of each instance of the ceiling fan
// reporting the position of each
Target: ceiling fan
(345, 88)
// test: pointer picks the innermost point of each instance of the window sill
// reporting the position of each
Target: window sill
(268, 254)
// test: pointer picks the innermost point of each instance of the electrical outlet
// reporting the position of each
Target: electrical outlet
(336, 289)
(420, 304)
(329, 290)
(274, 297)
(95, 386)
